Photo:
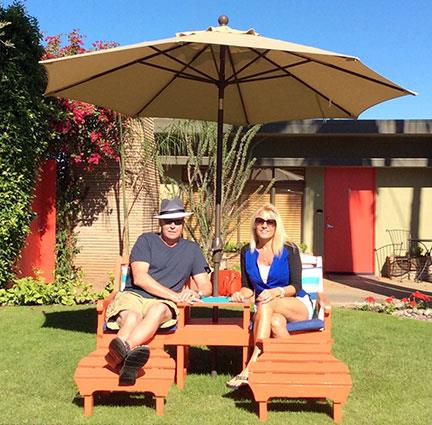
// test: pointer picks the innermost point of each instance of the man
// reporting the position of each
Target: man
(161, 264)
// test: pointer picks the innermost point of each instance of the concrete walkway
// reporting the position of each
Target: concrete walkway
(350, 289)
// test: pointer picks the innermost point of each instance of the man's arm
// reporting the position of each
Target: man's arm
(145, 281)
(203, 284)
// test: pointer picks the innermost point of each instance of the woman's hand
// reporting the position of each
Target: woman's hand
(242, 296)
(237, 297)
(267, 295)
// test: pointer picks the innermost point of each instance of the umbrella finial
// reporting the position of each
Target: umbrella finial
(223, 20)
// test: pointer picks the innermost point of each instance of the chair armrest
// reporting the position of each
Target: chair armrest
(101, 308)
(325, 305)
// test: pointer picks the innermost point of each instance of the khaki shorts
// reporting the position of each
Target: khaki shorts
(132, 301)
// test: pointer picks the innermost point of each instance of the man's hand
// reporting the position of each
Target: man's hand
(188, 296)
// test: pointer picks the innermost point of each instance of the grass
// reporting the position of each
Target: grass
(389, 359)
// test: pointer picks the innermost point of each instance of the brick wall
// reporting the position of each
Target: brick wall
(101, 231)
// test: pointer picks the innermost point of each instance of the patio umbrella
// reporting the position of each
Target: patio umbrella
(224, 75)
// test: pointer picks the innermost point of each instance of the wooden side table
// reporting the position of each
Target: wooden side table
(214, 331)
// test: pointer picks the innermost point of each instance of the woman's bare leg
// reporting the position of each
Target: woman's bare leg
(278, 326)
(271, 318)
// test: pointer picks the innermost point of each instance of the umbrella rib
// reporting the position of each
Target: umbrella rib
(309, 87)
(356, 74)
(252, 77)
(110, 71)
(324, 96)
(177, 74)
(251, 62)
(214, 59)
(238, 86)
(188, 65)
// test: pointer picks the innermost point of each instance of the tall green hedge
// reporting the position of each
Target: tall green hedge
(24, 128)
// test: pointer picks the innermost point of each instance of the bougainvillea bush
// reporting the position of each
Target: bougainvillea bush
(86, 137)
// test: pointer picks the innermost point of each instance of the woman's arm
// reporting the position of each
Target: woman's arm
(246, 282)
(247, 291)
(295, 267)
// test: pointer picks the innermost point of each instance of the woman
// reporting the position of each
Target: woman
(271, 272)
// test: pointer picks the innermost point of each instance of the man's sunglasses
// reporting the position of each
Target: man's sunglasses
(177, 221)
(270, 222)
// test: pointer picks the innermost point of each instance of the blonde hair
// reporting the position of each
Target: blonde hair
(279, 235)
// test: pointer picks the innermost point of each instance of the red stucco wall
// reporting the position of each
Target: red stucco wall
(39, 249)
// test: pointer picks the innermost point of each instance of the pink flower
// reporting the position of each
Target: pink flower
(94, 159)
(404, 300)
(413, 303)
(62, 127)
(370, 299)
(94, 136)
(389, 300)
(79, 116)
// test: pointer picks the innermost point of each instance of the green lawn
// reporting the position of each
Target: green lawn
(390, 361)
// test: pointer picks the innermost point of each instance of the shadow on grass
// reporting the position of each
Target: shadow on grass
(204, 360)
(244, 399)
(120, 399)
(373, 285)
(72, 320)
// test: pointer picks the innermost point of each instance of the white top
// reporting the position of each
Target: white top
(264, 272)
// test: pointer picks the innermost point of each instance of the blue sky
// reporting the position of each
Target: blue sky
(394, 37)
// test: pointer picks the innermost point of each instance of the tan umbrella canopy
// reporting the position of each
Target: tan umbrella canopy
(224, 75)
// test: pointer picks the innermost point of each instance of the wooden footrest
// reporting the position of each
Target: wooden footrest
(313, 376)
(93, 374)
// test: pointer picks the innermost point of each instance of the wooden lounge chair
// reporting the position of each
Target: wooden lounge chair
(302, 365)
(93, 374)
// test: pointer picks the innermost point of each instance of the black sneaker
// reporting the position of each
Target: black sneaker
(133, 362)
(118, 350)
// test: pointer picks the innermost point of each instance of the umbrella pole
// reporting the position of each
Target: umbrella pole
(125, 245)
(217, 245)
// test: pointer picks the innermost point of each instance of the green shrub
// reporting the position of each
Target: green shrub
(35, 291)
(24, 130)
(233, 246)
(303, 247)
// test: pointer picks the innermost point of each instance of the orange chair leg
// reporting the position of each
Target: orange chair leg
(337, 412)
(180, 364)
(160, 406)
(88, 405)
(262, 410)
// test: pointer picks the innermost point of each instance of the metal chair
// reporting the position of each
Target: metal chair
(400, 240)
(383, 256)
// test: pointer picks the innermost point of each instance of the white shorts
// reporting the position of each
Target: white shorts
(307, 302)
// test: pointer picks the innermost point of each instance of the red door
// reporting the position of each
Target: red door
(349, 212)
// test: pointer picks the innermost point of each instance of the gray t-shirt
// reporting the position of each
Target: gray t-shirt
(170, 266)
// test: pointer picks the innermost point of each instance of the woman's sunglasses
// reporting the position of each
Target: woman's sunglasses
(270, 222)
(177, 221)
